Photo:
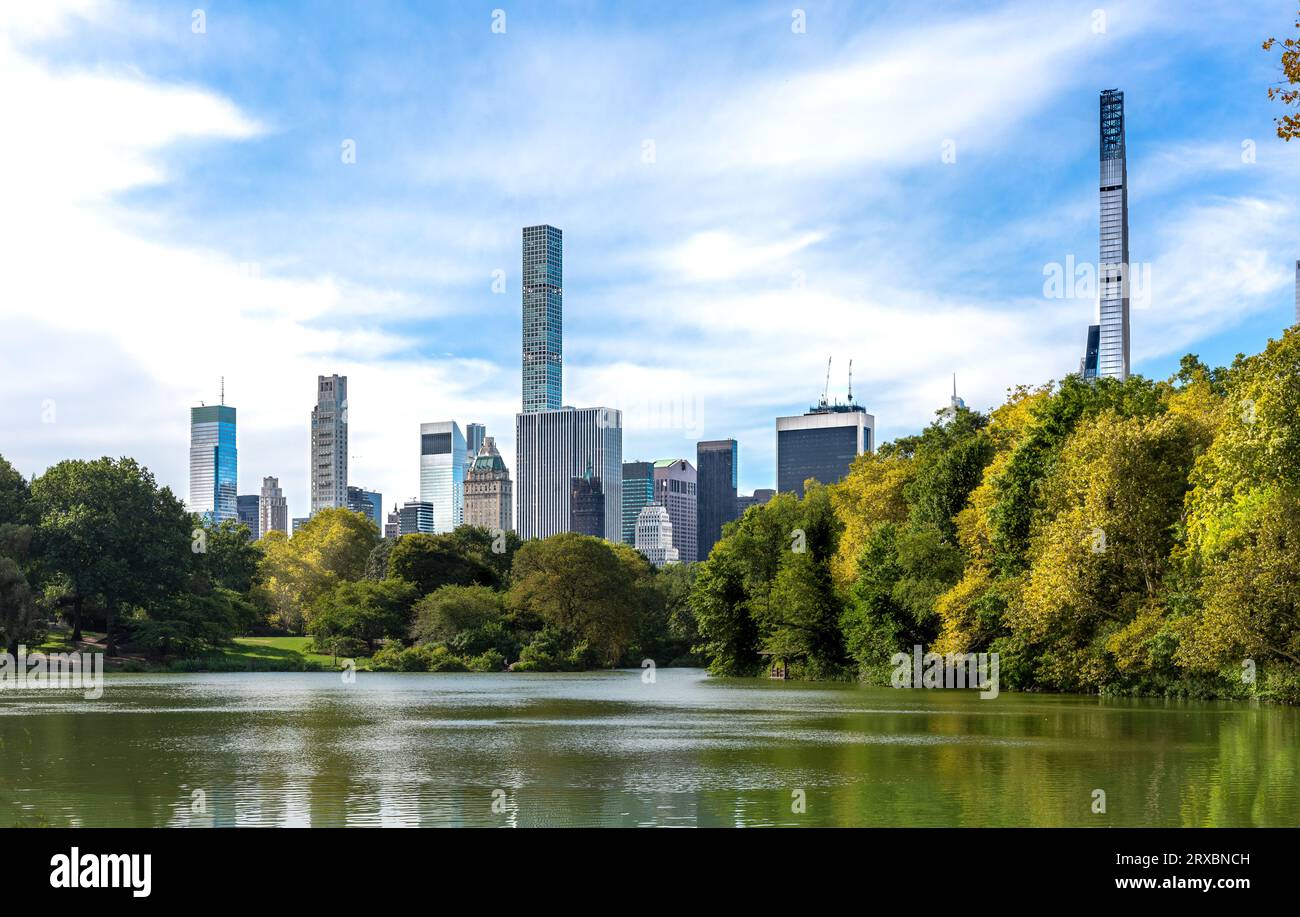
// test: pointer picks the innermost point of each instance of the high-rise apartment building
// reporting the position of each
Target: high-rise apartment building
(543, 325)
(638, 493)
(329, 444)
(553, 448)
(489, 496)
(716, 469)
(1113, 264)
(393, 527)
(654, 535)
(214, 463)
(821, 444)
(587, 505)
(298, 523)
(368, 503)
(675, 490)
(442, 473)
(273, 508)
(250, 514)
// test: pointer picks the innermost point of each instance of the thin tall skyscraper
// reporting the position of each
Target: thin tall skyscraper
(214, 463)
(329, 444)
(543, 300)
(1113, 265)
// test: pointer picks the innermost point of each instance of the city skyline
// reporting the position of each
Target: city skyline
(679, 277)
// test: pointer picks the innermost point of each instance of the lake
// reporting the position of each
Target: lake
(606, 748)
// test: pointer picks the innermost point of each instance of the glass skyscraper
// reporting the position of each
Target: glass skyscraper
(214, 463)
(543, 300)
(638, 493)
(442, 473)
(715, 462)
(1113, 266)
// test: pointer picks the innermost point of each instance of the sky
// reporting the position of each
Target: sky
(267, 193)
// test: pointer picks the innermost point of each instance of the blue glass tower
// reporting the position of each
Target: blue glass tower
(543, 300)
(214, 463)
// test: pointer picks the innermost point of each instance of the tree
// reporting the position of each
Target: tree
(431, 561)
(19, 620)
(331, 548)
(229, 559)
(112, 533)
(451, 610)
(15, 495)
(584, 586)
(362, 610)
(1288, 126)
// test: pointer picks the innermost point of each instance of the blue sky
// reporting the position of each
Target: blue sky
(739, 201)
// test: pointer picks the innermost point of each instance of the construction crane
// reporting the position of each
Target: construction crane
(827, 387)
(850, 380)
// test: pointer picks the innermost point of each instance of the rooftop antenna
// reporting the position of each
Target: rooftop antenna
(223, 390)
(850, 380)
(827, 387)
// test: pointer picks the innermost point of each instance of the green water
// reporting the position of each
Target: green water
(608, 749)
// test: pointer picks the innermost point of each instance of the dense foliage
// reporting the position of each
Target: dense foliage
(1137, 537)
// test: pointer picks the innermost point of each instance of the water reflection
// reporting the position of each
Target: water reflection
(607, 749)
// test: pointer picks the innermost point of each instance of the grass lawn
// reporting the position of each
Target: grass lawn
(271, 648)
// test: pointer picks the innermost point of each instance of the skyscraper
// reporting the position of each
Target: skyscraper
(393, 527)
(250, 514)
(654, 535)
(329, 444)
(638, 493)
(1089, 364)
(489, 496)
(442, 473)
(821, 444)
(759, 497)
(553, 448)
(474, 434)
(675, 490)
(415, 518)
(715, 462)
(214, 463)
(587, 505)
(273, 508)
(1113, 264)
(543, 328)
(368, 503)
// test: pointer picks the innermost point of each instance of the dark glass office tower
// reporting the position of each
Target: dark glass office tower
(587, 505)
(250, 512)
(543, 300)
(715, 462)
(1113, 266)
(1088, 366)
(821, 444)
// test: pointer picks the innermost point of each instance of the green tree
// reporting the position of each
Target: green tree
(362, 610)
(331, 548)
(112, 534)
(431, 561)
(581, 585)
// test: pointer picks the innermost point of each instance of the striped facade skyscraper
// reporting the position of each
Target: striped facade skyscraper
(1113, 263)
(329, 444)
